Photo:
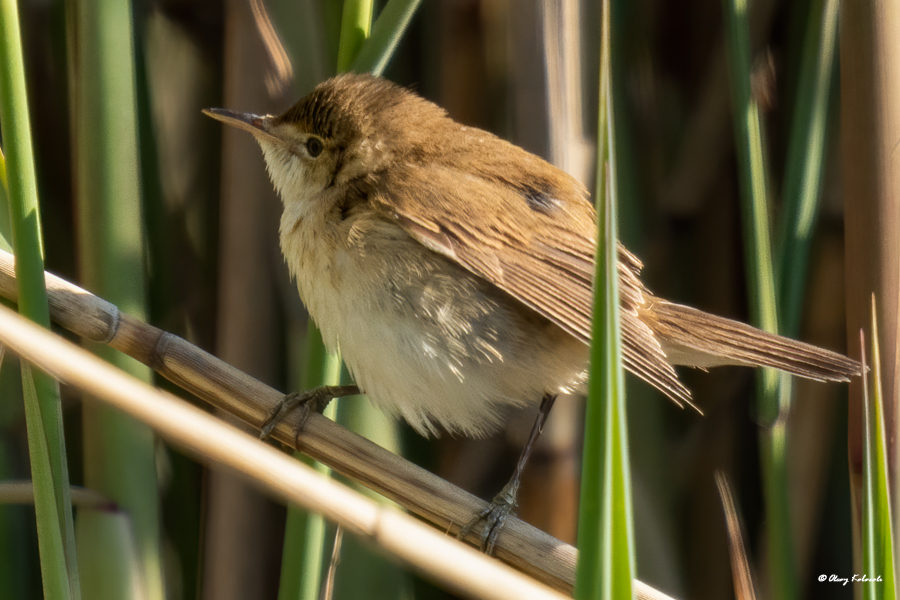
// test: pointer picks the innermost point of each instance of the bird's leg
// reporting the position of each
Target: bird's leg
(314, 400)
(495, 515)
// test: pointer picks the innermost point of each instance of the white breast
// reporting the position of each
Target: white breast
(422, 337)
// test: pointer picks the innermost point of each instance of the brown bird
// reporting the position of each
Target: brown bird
(454, 270)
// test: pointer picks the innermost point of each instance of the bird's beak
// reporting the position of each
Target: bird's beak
(258, 125)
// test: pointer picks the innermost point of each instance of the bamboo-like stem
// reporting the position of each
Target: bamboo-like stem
(459, 568)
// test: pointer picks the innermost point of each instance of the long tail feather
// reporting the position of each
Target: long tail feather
(694, 338)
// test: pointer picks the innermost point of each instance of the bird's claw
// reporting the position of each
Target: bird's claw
(305, 402)
(494, 518)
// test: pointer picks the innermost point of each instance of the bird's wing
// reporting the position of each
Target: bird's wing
(535, 240)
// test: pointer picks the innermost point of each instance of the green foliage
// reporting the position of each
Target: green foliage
(43, 416)
(606, 566)
(878, 541)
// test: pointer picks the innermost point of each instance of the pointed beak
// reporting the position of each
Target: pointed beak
(258, 125)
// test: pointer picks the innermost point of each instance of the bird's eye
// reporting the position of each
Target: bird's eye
(314, 147)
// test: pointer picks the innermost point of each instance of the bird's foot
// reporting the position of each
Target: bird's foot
(494, 517)
(307, 402)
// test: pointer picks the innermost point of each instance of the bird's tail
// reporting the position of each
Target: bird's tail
(694, 338)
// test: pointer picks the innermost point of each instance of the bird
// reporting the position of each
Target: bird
(454, 271)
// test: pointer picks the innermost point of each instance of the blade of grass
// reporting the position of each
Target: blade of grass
(5, 227)
(43, 416)
(605, 532)
(754, 193)
(378, 48)
(356, 23)
(120, 458)
(54, 542)
(773, 389)
(801, 193)
(877, 518)
(12, 519)
(805, 159)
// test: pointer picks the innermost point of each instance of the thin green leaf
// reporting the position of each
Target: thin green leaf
(773, 390)
(805, 159)
(605, 532)
(754, 181)
(3, 179)
(56, 579)
(5, 227)
(59, 564)
(877, 518)
(355, 26)
(386, 34)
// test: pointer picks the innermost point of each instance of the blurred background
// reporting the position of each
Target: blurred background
(202, 246)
